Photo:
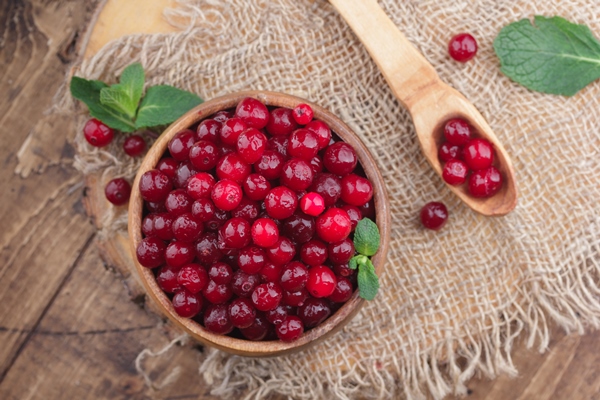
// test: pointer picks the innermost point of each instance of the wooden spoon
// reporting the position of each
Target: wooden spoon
(430, 101)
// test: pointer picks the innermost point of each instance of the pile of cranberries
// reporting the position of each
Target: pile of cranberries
(248, 221)
(468, 159)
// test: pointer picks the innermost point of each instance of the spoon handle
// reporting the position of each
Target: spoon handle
(406, 71)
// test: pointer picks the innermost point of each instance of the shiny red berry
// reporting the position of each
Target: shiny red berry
(231, 130)
(290, 329)
(314, 253)
(321, 129)
(314, 311)
(354, 214)
(179, 254)
(270, 165)
(231, 166)
(462, 47)
(434, 215)
(193, 277)
(221, 273)
(485, 182)
(226, 194)
(258, 330)
(256, 187)
(166, 278)
(246, 209)
(180, 145)
(299, 227)
(455, 172)
(457, 132)
(321, 281)
(303, 144)
(252, 112)
(200, 185)
(178, 202)
(356, 190)
(217, 293)
(155, 186)
(186, 228)
(134, 145)
(342, 292)
(293, 276)
(328, 186)
(281, 122)
(341, 252)
(159, 225)
(267, 296)
(168, 166)
(334, 225)
(449, 152)
(117, 191)
(216, 319)
(265, 232)
(251, 259)
(207, 249)
(251, 144)
(241, 312)
(183, 173)
(243, 284)
(282, 252)
(340, 158)
(312, 204)
(270, 272)
(303, 114)
(204, 155)
(297, 174)
(187, 304)
(97, 133)
(209, 129)
(151, 252)
(281, 202)
(235, 233)
(478, 154)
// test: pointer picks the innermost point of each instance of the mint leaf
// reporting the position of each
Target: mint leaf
(353, 263)
(125, 96)
(164, 104)
(368, 282)
(366, 237)
(88, 91)
(553, 56)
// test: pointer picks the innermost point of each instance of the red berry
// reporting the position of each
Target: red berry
(200, 185)
(449, 152)
(455, 172)
(204, 155)
(209, 129)
(278, 144)
(134, 145)
(356, 190)
(290, 329)
(117, 191)
(270, 165)
(231, 130)
(226, 194)
(342, 292)
(328, 186)
(341, 252)
(178, 202)
(231, 166)
(251, 144)
(192, 277)
(216, 319)
(281, 203)
(294, 276)
(183, 173)
(267, 296)
(295, 299)
(478, 154)
(278, 314)
(457, 132)
(282, 252)
(256, 187)
(313, 253)
(462, 47)
(222, 116)
(180, 145)
(314, 311)
(299, 227)
(235, 234)
(258, 330)
(303, 114)
(151, 252)
(434, 215)
(316, 164)
(157, 207)
(297, 174)
(246, 209)
(265, 232)
(243, 284)
(251, 259)
(168, 166)
(97, 133)
(207, 249)
(217, 293)
(343, 270)
(340, 158)
(159, 225)
(203, 210)
(155, 186)
(241, 313)
(354, 214)
(253, 113)
(334, 225)
(270, 272)
(322, 131)
(218, 219)
(221, 273)
(485, 182)
(179, 254)
(321, 281)
(166, 278)
(303, 144)
(281, 122)
(187, 304)
(186, 228)
(312, 204)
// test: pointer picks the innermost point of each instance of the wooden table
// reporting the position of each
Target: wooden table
(67, 326)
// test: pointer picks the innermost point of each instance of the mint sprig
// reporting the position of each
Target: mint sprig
(551, 56)
(366, 242)
(118, 105)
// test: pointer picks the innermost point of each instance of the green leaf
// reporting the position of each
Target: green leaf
(353, 263)
(88, 91)
(164, 104)
(125, 96)
(366, 237)
(553, 56)
(368, 282)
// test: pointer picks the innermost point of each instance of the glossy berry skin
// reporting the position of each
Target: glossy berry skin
(117, 191)
(293, 276)
(321, 281)
(243, 284)
(193, 277)
(180, 145)
(168, 166)
(226, 194)
(166, 278)
(258, 330)
(178, 202)
(485, 182)
(434, 215)
(254, 113)
(267, 296)
(340, 158)
(158, 207)
(290, 329)
(282, 252)
(356, 190)
(246, 209)
(316, 164)
(209, 129)
(314, 253)
(295, 299)
(278, 314)
(342, 292)
(341, 252)
(217, 293)
(314, 311)
(151, 252)
(299, 227)
(251, 144)
(281, 122)
(231, 166)
(216, 319)
(296, 174)
(455, 172)
(478, 154)
(222, 116)
(303, 114)
(270, 272)
(251, 259)
(220, 273)
(186, 228)
(312, 204)
(183, 173)
(328, 186)
(241, 312)
(265, 232)
(186, 304)
(278, 144)
(134, 146)
(449, 152)
(235, 233)
(159, 225)
(155, 186)
(97, 133)
(457, 132)
(462, 47)
(217, 221)
(231, 130)
(256, 187)
(321, 129)
(334, 225)
(179, 254)
(343, 270)
(270, 165)
(204, 155)
(281, 202)
(207, 249)
(354, 214)
(303, 144)
(200, 185)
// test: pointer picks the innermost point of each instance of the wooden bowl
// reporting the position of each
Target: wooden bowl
(241, 346)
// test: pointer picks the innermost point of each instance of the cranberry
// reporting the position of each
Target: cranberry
(156, 207)
(192, 277)
(340, 158)
(457, 132)
(281, 122)
(117, 191)
(265, 232)
(224, 150)
(295, 299)
(314, 253)
(303, 144)
(449, 152)
(134, 145)
(187, 304)
(328, 186)
(178, 202)
(478, 154)
(246, 209)
(235, 233)
(282, 252)
(216, 319)
(207, 249)
(343, 270)
(368, 210)
(220, 272)
(485, 182)
(155, 186)
(186, 228)
(299, 227)
(204, 155)
(312, 204)
(168, 166)
(183, 174)
(341, 252)
(226, 194)
(321, 281)
(356, 190)
(241, 313)
(267, 296)
(316, 164)
(455, 172)
(334, 225)
(278, 144)
(222, 116)
(270, 165)
(462, 47)
(209, 129)
(290, 329)
(217, 221)
(297, 174)
(313, 312)
(200, 185)
(166, 278)
(217, 293)
(278, 314)
(258, 330)
(179, 254)
(354, 214)
(251, 259)
(256, 187)
(343, 291)
(270, 272)
(243, 284)
(294, 276)
(322, 131)
(303, 114)
(252, 112)
(180, 144)
(231, 166)
(434, 215)
(251, 144)
(281, 203)
(159, 225)
(151, 252)
(231, 130)
(97, 133)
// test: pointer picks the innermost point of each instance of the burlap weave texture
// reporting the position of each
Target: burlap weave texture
(453, 301)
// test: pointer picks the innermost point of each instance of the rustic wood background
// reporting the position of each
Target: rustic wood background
(70, 327)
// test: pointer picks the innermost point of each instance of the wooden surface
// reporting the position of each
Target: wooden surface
(68, 326)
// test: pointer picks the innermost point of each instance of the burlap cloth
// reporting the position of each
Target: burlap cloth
(452, 302)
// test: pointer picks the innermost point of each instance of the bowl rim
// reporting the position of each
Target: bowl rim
(241, 346)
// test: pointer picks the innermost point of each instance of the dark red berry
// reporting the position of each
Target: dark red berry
(209, 129)
(159, 225)
(368, 210)
(303, 144)
(281, 202)
(235, 233)
(134, 145)
(340, 158)
(278, 144)
(168, 166)
(314, 311)
(251, 259)
(220, 272)
(434, 215)
(193, 277)
(299, 227)
(251, 144)
(186, 228)
(178, 202)
(334, 225)
(97, 133)
(166, 278)
(290, 329)
(151, 252)
(217, 293)
(478, 154)
(256, 187)
(267, 296)
(226, 194)
(217, 221)
(354, 214)
(231, 130)
(342, 292)
(216, 319)
(270, 165)
(297, 174)
(155, 186)
(293, 276)
(457, 132)
(321, 281)
(341, 252)
(241, 313)
(187, 304)
(314, 253)
(258, 330)
(312, 204)
(270, 272)
(295, 299)
(265, 232)
(328, 186)
(356, 190)
(179, 254)
(204, 155)
(243, 284)
(180, 145)
(462, 47)
(231, 166)
(200, 185)
(455, 172)
(253, 113)
(278, 314)
(207, 249)
(281, 122)
(117, 191)
(282, 252)
(343, 270)
(322, 131)
(303, 114)
(183, 174)
(222, 116)
(246, 209)
(316, 164)
(155, 207)
(449, 152)
(485, 182)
